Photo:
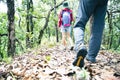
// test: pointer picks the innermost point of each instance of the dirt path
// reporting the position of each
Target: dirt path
(55, 64)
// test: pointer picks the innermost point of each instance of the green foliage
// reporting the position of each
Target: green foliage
(7, 59)
(3, 21)
(40, 12)
(112, 32)
(3, 30)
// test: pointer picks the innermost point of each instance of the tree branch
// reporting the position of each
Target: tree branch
(41, 32)
(117, 11)
(57, 5)
(3, 35)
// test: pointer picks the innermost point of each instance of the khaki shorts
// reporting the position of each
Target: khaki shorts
(66, 29)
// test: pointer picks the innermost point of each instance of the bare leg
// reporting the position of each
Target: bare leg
(64, 39)
(69, 39)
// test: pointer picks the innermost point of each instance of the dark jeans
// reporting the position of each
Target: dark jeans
(96, 9)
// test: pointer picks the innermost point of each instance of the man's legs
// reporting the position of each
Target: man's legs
(86, 7)
(96, 32)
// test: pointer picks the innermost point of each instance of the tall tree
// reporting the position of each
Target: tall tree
(30, 24)
(57, 40)
(11, 28)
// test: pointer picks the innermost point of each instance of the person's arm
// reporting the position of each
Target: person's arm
(60, 20)
(71, 15)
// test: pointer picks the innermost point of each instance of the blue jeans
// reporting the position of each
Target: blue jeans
(96, 9)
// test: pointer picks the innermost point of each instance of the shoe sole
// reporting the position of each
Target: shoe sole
(79, 61)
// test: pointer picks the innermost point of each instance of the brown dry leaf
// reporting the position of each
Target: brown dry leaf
(109, 77)
(16, 71)
(27, 78)
(101, 52)
(97, 77)
(28, 73)
(42, 76)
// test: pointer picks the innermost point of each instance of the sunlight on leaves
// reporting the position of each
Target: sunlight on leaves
(48, 57)
(7, 60)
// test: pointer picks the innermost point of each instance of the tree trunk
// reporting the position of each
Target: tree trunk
(49, 33)
(30, 25)
(110, 31)
(57, 38)
(11, 28)
(31, 19)
(27, 21)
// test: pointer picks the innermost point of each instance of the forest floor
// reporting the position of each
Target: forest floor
(55, 64)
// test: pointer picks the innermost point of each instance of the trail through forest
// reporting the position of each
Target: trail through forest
(55, 64)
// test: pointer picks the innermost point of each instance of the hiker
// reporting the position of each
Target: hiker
(87, 8)
(64, 23)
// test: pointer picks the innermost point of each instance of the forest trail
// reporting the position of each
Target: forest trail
(55, 64)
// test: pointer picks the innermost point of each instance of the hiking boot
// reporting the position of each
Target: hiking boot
(79, 61)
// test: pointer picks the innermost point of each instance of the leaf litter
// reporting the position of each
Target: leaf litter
(56, 64)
